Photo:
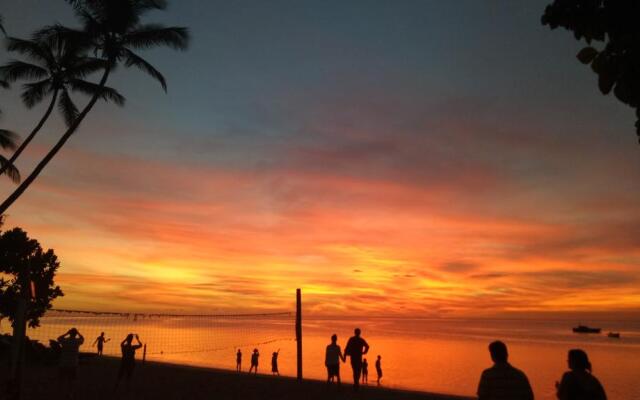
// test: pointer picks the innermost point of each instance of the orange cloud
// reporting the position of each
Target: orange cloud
(135, 234)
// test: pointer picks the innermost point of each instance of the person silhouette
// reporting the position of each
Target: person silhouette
(128, 361)
(502, 381)
(254, 361)
(100, 341)
(274, 362)
(356, 347)
(379, 368)
(239, 361)
(365, 371)
(70, 343)
(579, 383)
(332, 357)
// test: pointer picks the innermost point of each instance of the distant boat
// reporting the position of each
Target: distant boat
(615, 335)
(586, 329)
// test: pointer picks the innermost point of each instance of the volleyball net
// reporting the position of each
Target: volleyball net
(203, 340)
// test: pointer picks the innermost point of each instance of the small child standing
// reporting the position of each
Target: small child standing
(365, 371)
(379, 369)
(274, 362)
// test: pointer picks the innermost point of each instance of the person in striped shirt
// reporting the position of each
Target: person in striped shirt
(503, 381)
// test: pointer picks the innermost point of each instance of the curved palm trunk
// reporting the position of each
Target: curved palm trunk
(54, 150)
(33, 133)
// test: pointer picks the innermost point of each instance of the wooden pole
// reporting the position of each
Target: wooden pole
(18, 356)
(144, 354)
(299, 331)
(18, 350)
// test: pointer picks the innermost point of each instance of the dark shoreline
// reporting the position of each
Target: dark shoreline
(156, 380)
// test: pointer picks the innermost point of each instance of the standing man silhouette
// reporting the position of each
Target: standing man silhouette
(254, 361)
(356, 347)
(239, 361)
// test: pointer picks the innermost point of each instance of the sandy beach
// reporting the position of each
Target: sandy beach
(96, 378)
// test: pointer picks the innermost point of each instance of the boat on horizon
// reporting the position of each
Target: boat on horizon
(615, 335)
(586, 329)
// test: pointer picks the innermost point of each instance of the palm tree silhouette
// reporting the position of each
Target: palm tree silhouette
(8, 139)
(114, 30)
(3, 84)
(57, 68)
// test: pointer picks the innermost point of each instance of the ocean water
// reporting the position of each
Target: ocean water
(439, 355)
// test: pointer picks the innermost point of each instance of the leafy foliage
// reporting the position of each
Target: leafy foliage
(616, 24)
(23, 261)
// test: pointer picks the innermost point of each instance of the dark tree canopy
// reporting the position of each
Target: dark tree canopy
(19, 254)
(615, 23)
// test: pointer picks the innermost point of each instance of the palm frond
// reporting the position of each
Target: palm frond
(76, 3)
(153, 35)
(141, 7)
(11, 171)
(136, 61)
(2, 25)
(86, 66)
(16, 70)
(33, 93)
(90, 23)
(84, 5)
(54, 34)
(66, 107)
(31, 49)
(68, 44)
(112, 16)
(137, 5)
(106, 93)
(8, 139)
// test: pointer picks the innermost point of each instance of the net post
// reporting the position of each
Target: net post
(16, 372)
(18, 350)
(299, 331)
(144, 354)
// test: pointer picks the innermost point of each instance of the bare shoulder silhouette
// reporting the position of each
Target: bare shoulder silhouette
(579, 383)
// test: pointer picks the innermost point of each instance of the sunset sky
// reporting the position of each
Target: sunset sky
(429, 157)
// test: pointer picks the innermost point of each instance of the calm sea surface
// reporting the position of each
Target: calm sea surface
(440, 355)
